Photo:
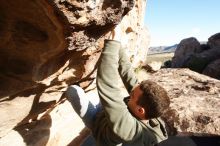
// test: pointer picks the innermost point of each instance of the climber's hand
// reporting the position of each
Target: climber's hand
(116, 33)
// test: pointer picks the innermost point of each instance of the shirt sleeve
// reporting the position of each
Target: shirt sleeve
(120, 120)
(126, 71)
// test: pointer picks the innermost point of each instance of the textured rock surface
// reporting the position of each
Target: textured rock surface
(46, 46)
(135, 39)
(153, 66)
(191, 54)
(198, 62)
(195, 100)
(213, 69)
(184, 50)
(57, 127)
(214, 41)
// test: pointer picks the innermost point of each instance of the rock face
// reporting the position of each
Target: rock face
(46, 46)
(137, 39)
(184, 50)
(213, 69)
(191, 54)
(214, 41)
(59, 126)
(153, 66)
(195, 100)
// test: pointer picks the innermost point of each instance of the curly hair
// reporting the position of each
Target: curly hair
(154, 99)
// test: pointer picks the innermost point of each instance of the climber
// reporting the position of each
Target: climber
(117, 120)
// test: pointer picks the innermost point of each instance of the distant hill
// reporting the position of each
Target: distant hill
(162, 49)
(166, 49)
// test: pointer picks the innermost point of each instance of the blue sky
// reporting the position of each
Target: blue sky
(170, 21)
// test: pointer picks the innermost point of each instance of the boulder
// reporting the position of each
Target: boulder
(59, 126)
(195, 100)
(184, 50)
(198, 62)
(213, 69)
(46, 46)
(134, 35)
(214, 41)
(153, 66)
(200, 57)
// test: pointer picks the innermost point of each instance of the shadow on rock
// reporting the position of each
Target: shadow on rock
(36, 132)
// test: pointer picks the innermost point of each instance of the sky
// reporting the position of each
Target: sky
(170, 21)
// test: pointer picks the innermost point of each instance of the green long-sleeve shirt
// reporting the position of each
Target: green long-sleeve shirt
(116, 125)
